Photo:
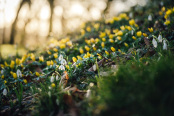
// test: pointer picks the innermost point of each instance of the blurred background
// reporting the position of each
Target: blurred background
(28, 23)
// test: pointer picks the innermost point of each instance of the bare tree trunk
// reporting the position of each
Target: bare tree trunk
(13, 28)
(51, 3)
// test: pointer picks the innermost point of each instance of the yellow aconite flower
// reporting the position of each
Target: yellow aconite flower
(2, 65)
(107, 52)
(74, 59)
(133, 37)
(55, 49)
(37, 74)
(168, 12)
(2, 77)
(53, 85)
(122, 28)
(81, 50)
(126, 44)
(41, 58)
(94, 48)
(116, 18)
(69, 43)
(139, 33)
(167, 22)
(12, 64)
(103, 34)
(62, 46)
(96, 40)
(48, 63)
(150, 29)
(132, 22)
(79, 58)
(145, 35)
(111, 36)
(88, 29)
(55, 55)
(112, 49)
(51, 62)
(14, 75)
(103, 44)
(111, 40)
(25, 81)
(32, 57)
(82, 32)
(5, 63)
(5, 81)
(87, 48)
(96, 26)
(119, 33)
(119, 38)
(103, 39)
(92, 40)
(17, 61)
(88, 42)
(115, 30)
(119, 50)
(128, 28)
(160, 13)
(67, 67)
(163, 9)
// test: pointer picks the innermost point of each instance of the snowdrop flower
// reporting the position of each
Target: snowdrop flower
(52, 79)
(132, 32)
(60, 57)
(4, 92)
(63, 62)
(150, 18)
(19, 74)
(88, 93)
(160, 38)
(154, 42)
(57, 77)
(131, 15)
(94, 67)
(61, 67)
(49, 93)
(2, 71)
(164, 45)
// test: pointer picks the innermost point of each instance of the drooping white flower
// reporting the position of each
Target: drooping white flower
(61, 67)
(164, 45)
(91, 84)
(131, 15)
(132, 32)
(160, 38)
(94, 67)
(60, 57)
(19, 74)
(88, 93)
(154, 42)
(4, 92)
(63, 62)
(52, 79)
(49, 93)
(2, 71)
(57, 77)
(150, 18)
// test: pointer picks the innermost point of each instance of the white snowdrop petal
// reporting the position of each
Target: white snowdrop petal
(52, 79)
(150, 17)
(154, 42)
(4, 92)
(94, 67)
(160, 38)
